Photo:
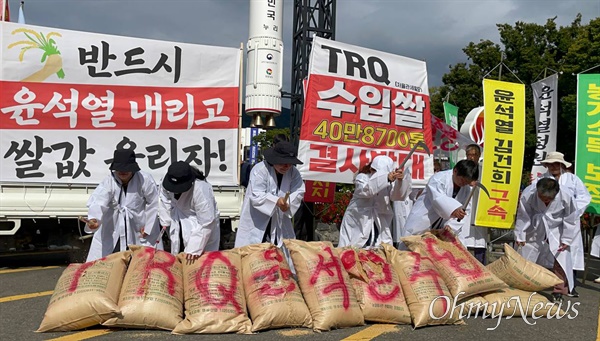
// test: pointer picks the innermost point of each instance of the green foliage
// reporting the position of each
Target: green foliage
(530, 50)
(265, 138)
(333, 213)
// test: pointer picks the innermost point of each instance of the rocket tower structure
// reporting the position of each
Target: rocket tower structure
(264, 69)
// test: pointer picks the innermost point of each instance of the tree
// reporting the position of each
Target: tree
(265, 138)
(530, 51)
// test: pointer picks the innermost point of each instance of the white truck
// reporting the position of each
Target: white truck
(43, 217)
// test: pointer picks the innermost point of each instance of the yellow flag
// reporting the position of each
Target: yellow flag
(504, 144)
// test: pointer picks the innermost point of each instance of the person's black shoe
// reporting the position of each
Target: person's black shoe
(573, 293)
(557, 298)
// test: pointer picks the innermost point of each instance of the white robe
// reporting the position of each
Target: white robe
(195, 214)
(436, 202)
(543, 228)
(122, 214)
(370, 205)
(402, 209)
(472, 235)
(582, 200)
(260, 206)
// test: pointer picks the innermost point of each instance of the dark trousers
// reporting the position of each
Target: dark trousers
(372, 236)
(479, 254)
(563, 287)
(267, 235)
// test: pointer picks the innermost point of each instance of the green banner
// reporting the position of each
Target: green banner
(451, 114)
(587, 153)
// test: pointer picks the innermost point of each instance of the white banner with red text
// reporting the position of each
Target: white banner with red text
(69, 99)
(361, 103)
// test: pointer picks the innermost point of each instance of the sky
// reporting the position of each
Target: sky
(435, 31)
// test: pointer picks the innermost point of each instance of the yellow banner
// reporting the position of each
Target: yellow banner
(504, 144)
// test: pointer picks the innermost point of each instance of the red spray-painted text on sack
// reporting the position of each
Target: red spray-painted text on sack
(152, 264)
(333, 268)
(226, 293)
(274, 283)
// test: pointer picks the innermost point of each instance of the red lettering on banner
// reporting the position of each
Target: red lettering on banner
(227, 293)
(365, 115)
(418, 167)
(331, 268)
(348, 165)
(444, 129)
(377, 279)
(498, 210)
(78, 106)
(364, 158)
(468, 265)
(417, 274)
(79, 272)
(164, 267)
(326, 162)
(273, 275)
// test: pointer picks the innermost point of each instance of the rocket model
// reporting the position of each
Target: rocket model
(264, 70)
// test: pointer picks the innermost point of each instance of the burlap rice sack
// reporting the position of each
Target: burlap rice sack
(86, 294)
(214, 295)
(520, 273)
(152, 292)
(273, 296)
(515, 302)
(325, 285)
(423, 288)
(376, 284)
(462, 273)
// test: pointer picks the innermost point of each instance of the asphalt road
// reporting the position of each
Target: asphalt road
(25, 292)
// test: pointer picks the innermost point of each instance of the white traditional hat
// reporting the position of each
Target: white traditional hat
(553, 157)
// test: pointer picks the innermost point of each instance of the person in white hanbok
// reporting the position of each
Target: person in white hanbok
(544, 229)
(441, 203)
(369, 214)
(401, 211)
(416, 192)
(122, 210)
(274, 194)
(472, 236)
(187, 207)
(557, 169)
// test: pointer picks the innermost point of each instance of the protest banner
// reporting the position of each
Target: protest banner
(504, 136)
(69, 99)
(451, 115)
(361, 103)
(447, 140)
(545, 95)
(319, 191)
(587, 165)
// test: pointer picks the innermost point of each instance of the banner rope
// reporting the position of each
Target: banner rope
(544, 71)
(584, 71)
(511, 71)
